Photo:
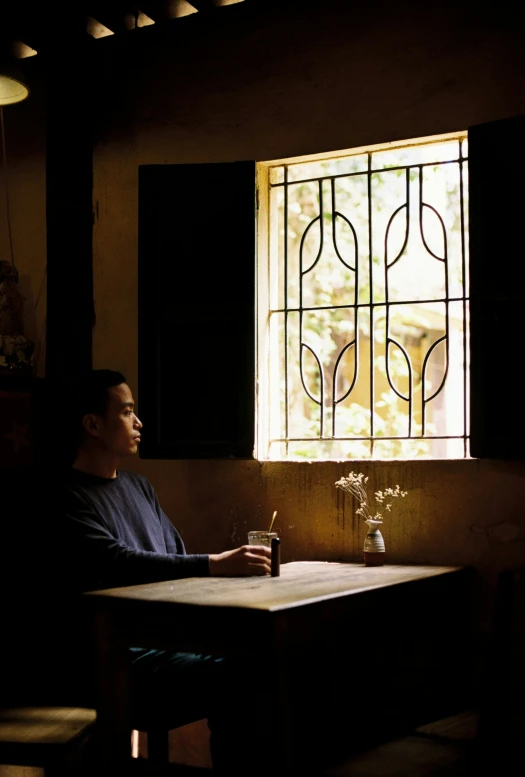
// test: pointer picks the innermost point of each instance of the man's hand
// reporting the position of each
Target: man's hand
(243, 561)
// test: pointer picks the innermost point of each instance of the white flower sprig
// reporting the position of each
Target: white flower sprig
(355, 484)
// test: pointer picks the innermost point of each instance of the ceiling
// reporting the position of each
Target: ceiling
(30, 27)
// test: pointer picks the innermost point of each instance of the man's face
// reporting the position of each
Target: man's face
(119, 429)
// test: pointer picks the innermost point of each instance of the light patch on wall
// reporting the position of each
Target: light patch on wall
(178, 8)
(133, 21)
(21, 51)
(228, 2)
(143, 20)
(96, 29)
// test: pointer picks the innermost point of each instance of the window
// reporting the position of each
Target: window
(363, 303)
(196, 303)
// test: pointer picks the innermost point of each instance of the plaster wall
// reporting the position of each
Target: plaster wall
(263, 86)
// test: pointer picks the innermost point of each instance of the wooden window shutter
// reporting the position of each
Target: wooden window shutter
(497, 288)
(197, 310)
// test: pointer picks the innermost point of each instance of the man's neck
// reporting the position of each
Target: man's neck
(104, 466)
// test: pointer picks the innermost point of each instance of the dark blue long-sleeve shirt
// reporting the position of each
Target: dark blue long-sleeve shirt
(84, 533)
(113, 532)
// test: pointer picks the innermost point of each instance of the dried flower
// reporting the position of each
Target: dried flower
(355, 484)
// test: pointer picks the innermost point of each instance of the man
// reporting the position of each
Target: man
(108, 530)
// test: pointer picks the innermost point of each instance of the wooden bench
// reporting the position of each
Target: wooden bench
(52, 738)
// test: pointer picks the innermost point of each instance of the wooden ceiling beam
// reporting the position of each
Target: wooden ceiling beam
(25, 24)
(46, 28)
(34, 25)
(155, 9)
(117, 16)
(203, 6)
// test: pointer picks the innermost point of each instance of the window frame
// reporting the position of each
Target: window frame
(495, 311)
(265, 257)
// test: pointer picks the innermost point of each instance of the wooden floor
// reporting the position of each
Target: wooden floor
(449, 747)
(441, 749)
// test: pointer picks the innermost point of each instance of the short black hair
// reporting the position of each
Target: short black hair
(89, 392)
(66, 401)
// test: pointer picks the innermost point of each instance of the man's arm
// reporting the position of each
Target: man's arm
(93, 557)
(243, 561)
(97, 557)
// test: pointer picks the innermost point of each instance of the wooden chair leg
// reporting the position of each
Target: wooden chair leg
(158, 746)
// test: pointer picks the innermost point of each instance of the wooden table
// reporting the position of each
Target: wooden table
(310, 606)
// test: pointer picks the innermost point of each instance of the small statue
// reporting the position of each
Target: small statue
(16, 351)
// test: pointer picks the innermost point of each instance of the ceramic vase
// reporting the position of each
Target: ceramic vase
(374, 548)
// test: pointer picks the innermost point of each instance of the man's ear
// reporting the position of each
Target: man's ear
(91, 424)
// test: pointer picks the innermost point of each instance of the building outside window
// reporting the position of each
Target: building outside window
(363, 303)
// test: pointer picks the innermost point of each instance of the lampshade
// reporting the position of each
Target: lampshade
(12, 88)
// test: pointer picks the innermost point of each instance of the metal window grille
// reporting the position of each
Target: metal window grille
(365, 346)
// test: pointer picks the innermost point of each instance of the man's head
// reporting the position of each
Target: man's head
(102, 414)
